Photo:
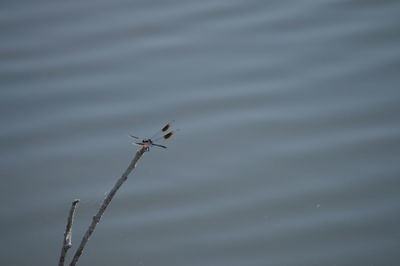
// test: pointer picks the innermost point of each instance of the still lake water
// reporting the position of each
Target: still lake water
(289, 143)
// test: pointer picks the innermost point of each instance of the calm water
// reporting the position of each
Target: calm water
(289, 147)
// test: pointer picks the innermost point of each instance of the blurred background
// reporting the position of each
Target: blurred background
(289, 143)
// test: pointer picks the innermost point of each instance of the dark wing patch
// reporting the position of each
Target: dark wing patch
(168, 135)
(166, 127)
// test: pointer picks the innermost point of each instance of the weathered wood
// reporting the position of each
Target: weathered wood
(67, 242)
(104, 205)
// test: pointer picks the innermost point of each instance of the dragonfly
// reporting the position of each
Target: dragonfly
(164, 134)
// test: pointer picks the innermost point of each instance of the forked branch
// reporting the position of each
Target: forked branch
(103, 207)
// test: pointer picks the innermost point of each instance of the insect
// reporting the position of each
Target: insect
(148, 142)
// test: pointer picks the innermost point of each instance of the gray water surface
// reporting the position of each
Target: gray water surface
(289, 143)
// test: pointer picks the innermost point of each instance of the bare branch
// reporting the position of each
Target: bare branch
(106, 202)
(67, 244)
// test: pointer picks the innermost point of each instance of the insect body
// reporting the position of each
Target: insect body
(148, 142)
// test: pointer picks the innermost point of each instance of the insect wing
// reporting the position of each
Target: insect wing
(163, 130)
(166, 136)
(134, 137)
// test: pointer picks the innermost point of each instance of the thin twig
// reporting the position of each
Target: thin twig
(103, 206)
(67, 243)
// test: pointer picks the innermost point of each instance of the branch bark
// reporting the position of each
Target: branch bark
(104, 205)
(67, 244)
